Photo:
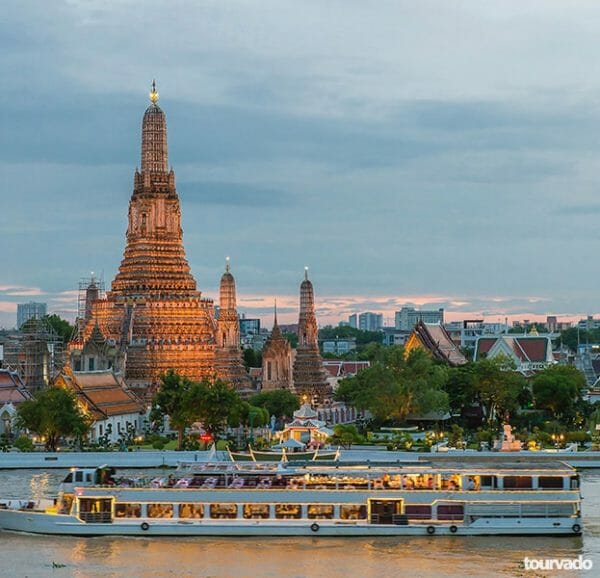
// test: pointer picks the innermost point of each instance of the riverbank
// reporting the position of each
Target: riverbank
(164, 458)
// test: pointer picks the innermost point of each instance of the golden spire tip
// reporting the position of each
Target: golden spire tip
(153, 93)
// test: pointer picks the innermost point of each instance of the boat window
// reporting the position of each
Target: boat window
(65, 504)
(550, 482)
(418, 511)
(288, 511)
(160, 510)
(574, 482)
(353, 512)
(79, 476)
(88, 477)
(128, 510)
(223, 510)
(473, 483)
(488, 482)
(191, 511)
(418, 482)
(517, 482)
(451, 482)
(320, 511)
(69, 478)
(450, 511)
(95, 510)
(256, 511)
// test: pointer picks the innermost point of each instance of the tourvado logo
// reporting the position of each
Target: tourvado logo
(558, 563)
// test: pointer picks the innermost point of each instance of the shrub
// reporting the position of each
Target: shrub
(158, 444)
(24, 444)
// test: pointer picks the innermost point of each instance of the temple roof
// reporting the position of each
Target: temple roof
(526, 348)
(305, 412)
(102, 392)
(12, 388)
(434, 338)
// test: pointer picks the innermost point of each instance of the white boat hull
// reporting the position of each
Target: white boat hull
(41, 523)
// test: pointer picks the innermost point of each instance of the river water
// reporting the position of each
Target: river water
(43, 556)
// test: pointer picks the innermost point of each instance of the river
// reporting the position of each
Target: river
(57, 557)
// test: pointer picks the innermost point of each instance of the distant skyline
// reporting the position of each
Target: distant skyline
(440, 154)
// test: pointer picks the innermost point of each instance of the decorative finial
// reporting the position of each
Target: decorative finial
(153, 93)
(227, 264)
(306, 273)
(275, 312)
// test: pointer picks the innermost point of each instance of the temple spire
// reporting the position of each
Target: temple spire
(275, 313)
(306, 273)
(227, 264)
(155, 158)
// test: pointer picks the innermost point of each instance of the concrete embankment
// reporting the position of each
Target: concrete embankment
(136, 459)
(156, 459)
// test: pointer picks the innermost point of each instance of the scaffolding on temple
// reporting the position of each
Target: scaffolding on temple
(36, 352)
(90, 289)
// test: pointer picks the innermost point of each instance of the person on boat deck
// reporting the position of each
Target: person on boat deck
(171, 481)
(471, 484)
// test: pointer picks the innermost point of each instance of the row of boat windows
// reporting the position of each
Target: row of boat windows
(249, 511)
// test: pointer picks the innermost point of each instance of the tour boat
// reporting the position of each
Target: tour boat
(252, 499)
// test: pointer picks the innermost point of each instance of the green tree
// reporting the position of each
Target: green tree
(279, 402)
(173, 399)
(252, 358)
(214, 402)
(61, 326)
(461, 387)
(498, 387)
(396, 385)
(292, 338)
(345, 435)
(557, 390)
(53, 413)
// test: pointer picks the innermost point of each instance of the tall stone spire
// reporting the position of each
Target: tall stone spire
(310, 377)
(228, 355)
(154, 312)
(155, 155)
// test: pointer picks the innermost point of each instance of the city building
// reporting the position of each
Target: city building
(353, 321)
(340, 369)
(408, 317)
(370, 321)
(310, 377)
(465, 333)
(589, 323)
(116, 412)
(31, 310)
(249, 326)
(556, 326)
(530, 353)
(392, 336)
(338, 345)
(433, 338)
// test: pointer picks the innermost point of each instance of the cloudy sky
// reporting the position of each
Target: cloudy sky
(443, 153)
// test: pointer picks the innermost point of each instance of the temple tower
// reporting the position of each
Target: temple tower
(228, 355)
(310, 377)
(154, 312)
(276, 360)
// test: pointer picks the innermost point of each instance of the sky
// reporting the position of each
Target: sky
(440, 153)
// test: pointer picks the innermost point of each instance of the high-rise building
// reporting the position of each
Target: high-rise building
(31, 310)
(310, 377)
(353, 321)
(370, 321)
(408, 317)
